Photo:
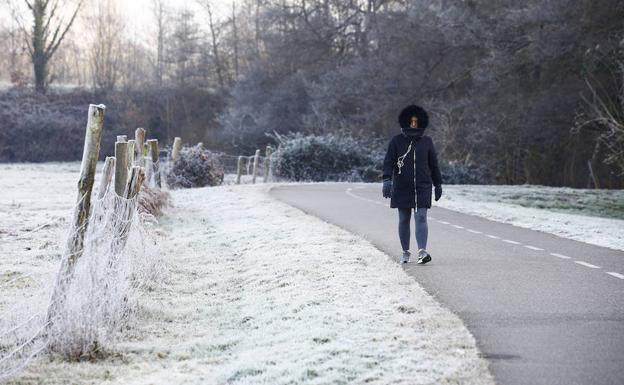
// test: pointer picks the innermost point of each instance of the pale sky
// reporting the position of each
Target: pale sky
(140, 16)
(138, 13)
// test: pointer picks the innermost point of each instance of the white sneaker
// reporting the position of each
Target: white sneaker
(423, 257)
(406, 256)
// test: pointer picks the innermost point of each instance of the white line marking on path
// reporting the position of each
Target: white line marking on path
(587, 264)
(611, 273)
(348, 192)
(616, 275)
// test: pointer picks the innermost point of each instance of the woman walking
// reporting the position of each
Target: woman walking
(409, 172)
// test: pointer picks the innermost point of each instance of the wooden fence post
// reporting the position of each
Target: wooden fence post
(121, 167)
(80, 218)
(267, 163)
(139, 137)
(255, 166)
(107, 176)
(90, 155)
(149, 170)
(137, 176)
(131, 152)
(153, 145)
(239, 169)
(175, 149)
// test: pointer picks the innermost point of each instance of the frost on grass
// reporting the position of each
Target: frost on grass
(287, 298)
(590, 216)
(258, 292)
(94, 304)
(118, 261)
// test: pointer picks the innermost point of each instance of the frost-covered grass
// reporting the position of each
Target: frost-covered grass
(35, 203)
(118, 263)
(590, 216)
(259, 292)
(598, 203)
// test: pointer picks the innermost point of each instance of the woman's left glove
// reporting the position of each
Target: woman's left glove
(387, 188)
(438, 192)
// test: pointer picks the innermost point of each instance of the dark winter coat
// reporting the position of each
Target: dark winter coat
(411, 187)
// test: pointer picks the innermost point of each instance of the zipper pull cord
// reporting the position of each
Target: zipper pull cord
(401, 158)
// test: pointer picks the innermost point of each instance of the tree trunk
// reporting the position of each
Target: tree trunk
(40, 69)
(235, 33)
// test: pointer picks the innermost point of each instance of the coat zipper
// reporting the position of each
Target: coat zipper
(414, 149)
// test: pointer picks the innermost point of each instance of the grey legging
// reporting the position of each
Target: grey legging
(405, 216)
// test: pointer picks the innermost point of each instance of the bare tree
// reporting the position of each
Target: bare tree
(47, 33)
(214, 41)
(14, 60)
(105, 56)
(235, 39)
(182, 48)
(160, 14)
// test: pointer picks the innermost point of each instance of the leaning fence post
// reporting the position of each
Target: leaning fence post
(107, 175)
(175, 149)
(267, 163)
(80, 219)
(90, 155)
(255, 166)
(121, 167)
(153, 146)
(239, 169)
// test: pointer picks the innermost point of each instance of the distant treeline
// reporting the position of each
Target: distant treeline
(51, 127)
(532, 91)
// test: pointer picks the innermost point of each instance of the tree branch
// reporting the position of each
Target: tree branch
(54, 44)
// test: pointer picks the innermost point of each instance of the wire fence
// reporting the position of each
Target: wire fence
(236, 169)
(109, 259)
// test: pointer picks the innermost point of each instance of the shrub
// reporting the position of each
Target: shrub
(330, 157)
(454, 172)
(153, 200)
(195, 167)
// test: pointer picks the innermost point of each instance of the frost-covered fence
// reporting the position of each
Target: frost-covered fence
(109, 257)
(197, 166)
(248, 168)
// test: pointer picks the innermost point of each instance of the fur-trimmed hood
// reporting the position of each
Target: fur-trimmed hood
(413, 110)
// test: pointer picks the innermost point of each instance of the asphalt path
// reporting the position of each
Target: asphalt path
(543, 309)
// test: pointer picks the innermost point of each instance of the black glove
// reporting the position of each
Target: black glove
(387, 188)
(438, 192)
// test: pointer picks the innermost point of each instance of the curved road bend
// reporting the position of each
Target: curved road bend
(543, 309)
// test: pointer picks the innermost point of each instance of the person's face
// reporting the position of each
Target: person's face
(413, 122)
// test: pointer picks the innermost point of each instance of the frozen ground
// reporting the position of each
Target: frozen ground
(257, 292)
(589, 216)
(592, 202)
